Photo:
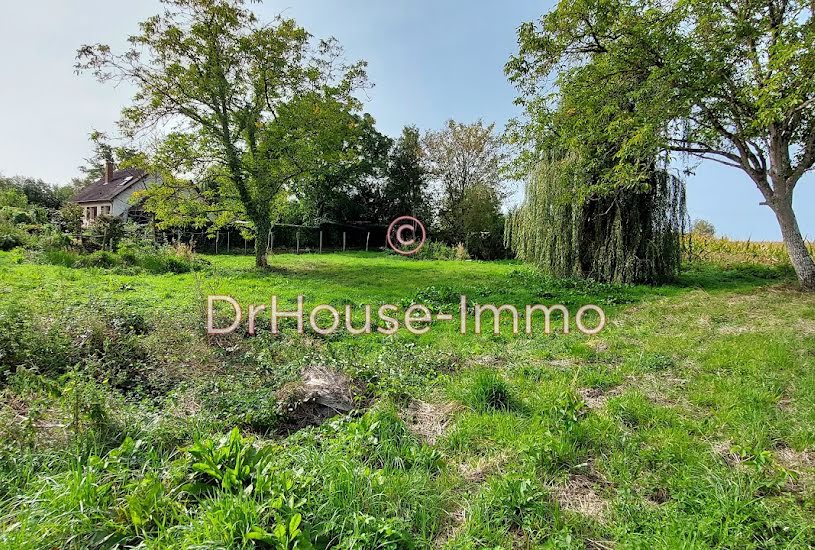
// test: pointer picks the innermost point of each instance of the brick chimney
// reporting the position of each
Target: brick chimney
(109, 167)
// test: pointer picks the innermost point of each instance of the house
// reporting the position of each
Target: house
(110, 195)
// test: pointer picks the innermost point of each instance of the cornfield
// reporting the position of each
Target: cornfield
(725, 252)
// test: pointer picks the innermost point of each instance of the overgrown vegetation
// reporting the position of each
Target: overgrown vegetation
(618, 235)
(122, 424)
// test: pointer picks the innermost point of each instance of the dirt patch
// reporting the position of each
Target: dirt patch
(563, 363)
(45, 428)
(595, 398)
(477, 472)
(599, 346)
(660, 388)
(485, 361)
(429, 421)
(798, 461)
(452, 526)
(320, 394)
(731, 329)
(579, 495)
(722, 449)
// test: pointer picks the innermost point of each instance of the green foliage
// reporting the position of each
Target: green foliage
(13, 197)
(108, 230)
(100, 258)
(703, 228)
(467, 161)
(166, 259)
(230, 462)
(11, 236)
(638, 82)
(620, 236)
(436, 250)
(263, 82)
(633, 437)
(405, 189)
(488, 391)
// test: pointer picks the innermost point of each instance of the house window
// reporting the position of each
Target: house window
(90, 213)
(106, 210)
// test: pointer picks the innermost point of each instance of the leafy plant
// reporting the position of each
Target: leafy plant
(231, 462)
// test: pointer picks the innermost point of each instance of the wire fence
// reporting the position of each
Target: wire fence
(298, 239)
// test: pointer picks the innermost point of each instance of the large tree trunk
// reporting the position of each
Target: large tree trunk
(796, 247)
(261, 242)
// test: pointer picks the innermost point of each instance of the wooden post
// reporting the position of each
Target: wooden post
(367, 240)
(321, 241)
(298, 241)
(227, 240)
(343, 241)
(217, 238)
(271, 236)
(244, 245)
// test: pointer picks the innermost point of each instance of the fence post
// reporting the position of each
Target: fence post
(367, 239)
(227, 240)
(321, 241)
(343, 241)
(244, 244)
(271, 236)
(217, 238)
(298, 241)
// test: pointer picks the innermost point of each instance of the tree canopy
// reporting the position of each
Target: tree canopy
(251, 106)
(731, 81)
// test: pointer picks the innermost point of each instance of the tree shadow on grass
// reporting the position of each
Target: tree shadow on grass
(736, 277)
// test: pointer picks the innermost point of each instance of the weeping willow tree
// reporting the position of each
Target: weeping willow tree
(619, 235)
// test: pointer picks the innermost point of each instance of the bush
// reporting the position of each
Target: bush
(10, 240)
(167, 259)
(100, 258)
(29, 343)
(434, 250)
(109, 229)
(11, 235)
(69, 218)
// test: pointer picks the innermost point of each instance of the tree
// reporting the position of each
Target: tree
(730, 81)
(482, 223)
(620, 235)
(233, 87)
(103, 151)
(351, 155)
(35, 191)
(405, 188)
(461, 157)
(703, 228)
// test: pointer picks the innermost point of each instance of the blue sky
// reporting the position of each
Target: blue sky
(429, 61)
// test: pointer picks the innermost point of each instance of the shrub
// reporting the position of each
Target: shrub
(69, 218)
(100, 258)
(230, 463)
(26, 342)
(109, 229)
(51, 239)
(434, 250)
(11, 236)
(236, 402)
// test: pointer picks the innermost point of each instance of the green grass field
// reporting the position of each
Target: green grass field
(689, 422)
